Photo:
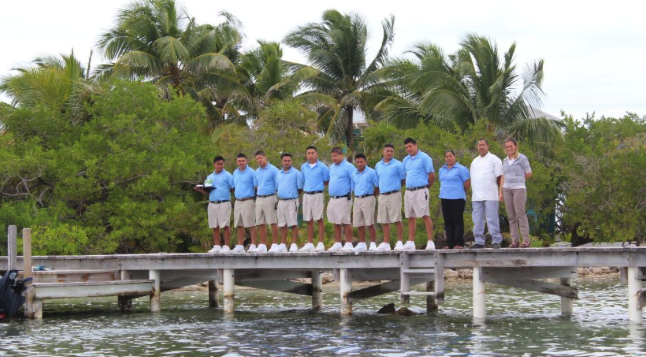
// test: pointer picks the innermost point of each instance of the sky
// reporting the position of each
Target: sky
(594, 51)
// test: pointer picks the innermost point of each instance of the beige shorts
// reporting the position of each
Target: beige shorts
(287, 213)
(313, 207)
(390, 208)
(416, 203)
(219, 214)
(363, 212)
(338, 210)
(266, 210)
(244, 214)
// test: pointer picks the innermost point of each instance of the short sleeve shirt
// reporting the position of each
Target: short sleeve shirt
(390, 175)
(452, 182)
(245, 183)
(364, 183)
(266, 178)
(515, 172)
(417, 169)
(315, 177)
(484, 172)
(341, 178)
(223, 182)
(289, 182)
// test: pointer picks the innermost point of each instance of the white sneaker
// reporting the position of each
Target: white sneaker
(225, 249)
(347, 247)
(215, 250)
(335, 247)
(252, 248)
(273, 248)
(307, 248)
(410, 245)
(238, 249)
(278, 248)
(399, 246)
(384, 247)
(430, 245)
(261, 249)
(373, 247)
(361, 247)
(320, 247)
(293, 248)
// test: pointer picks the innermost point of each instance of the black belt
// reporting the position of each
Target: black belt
(245, 199)
(389, 193)
(416, 188)
(287, 199)
(218, 202)
(363, 196)
(344, 196)
(312, 192)
(263, 196)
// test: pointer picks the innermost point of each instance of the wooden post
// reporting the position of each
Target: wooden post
(38, 309)
(125, 302)
(431, 305)
(229, 291)
(634, 294)
(213, 294)
(567, 304)
(345, 287)
(317, 290)
(155, 296)
(27, 273)
(479, 310)
(12, 247)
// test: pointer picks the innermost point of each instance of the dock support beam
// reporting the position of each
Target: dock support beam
(431, 304)
(38, 309)
(479, 312)
(27, 271)
(567, 304)
(345, 287)
(317, 290)
(213, 294)
(12, 247)
(155, 296)
(229, 291)
(125, 302)
(634, 294)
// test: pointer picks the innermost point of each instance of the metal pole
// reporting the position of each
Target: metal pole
(12, 246)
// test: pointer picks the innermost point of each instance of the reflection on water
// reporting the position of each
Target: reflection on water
(266, 323)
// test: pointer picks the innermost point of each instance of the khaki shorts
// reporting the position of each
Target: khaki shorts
(313, 207)
(266, 210)
(416, 203)
(390, 208)
(219, 214)
(244, 214)
(338, 210)
(363, 212)
(287, 213)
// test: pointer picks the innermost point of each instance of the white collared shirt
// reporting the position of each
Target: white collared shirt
(484, 173)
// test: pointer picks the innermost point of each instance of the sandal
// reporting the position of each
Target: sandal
(525, 245)
(458, 247)
(513, 245)
(446, 247)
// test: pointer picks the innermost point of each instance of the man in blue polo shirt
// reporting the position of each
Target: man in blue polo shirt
(266, 200)
(340, 204)
(290, 185)
(392, 177)
(316, 176)
(218, 186)
(244, 210)
(365, 186)
(420, 176)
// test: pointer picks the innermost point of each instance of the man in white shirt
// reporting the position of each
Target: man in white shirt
(486, 173)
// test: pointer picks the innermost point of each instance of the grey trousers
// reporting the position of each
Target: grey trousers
(490, 210)
(515, 205)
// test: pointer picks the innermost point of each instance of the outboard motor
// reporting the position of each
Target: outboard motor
(11, 294)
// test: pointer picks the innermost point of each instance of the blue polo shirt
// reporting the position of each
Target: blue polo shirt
(223, 182)
(364, 183)
(390, 175)
(289, 182)
(266, 178)
(417, 169)
(315, 177)
(245, 183)
(452, 182)
(341, 178)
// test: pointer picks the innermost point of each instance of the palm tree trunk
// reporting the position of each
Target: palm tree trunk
(349, 129)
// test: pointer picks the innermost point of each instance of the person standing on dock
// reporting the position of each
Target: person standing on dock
(486, 180)
(365, 186)
(244, 210)
(454, 183)
(340, 205)
(316, 176)
(420, 177)
(219, 183)
(516, 170)
(392, 177)
(289, 182)
(266, 200)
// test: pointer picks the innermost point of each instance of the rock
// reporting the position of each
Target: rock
(327, 277)
(404, 311)
(387, 309)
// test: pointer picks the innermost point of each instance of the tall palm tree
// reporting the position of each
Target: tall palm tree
(337, 48)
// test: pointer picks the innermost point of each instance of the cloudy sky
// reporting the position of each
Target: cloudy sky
(594, 52)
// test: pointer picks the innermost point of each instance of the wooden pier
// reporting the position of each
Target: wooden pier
(134, 275)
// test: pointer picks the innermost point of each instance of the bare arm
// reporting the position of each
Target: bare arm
(431, 179)
(501, 181)
(200, 190)
(528, 175)
(467, 185)
(376, 193)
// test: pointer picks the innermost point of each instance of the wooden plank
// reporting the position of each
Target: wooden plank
(528, 273)
(279, 285)
(271, 274)
(380, 289)
(538, 286)
(12, 247)
(77, 290)
(75, 276)
(374, 274)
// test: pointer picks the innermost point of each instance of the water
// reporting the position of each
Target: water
(267, 323)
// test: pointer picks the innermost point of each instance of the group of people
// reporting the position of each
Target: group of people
(271, 197)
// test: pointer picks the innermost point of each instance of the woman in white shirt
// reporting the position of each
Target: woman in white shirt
(513, 192)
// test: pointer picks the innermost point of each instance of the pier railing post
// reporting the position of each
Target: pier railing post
(345, 288)
(27, 271)
(229, 290)
(634, 294)
(317, 290)
(479, 311)
(567, 304)
(155, 296)
(12, 247)
(213, 294)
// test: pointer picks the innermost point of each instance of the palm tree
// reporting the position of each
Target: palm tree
(337, 48)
